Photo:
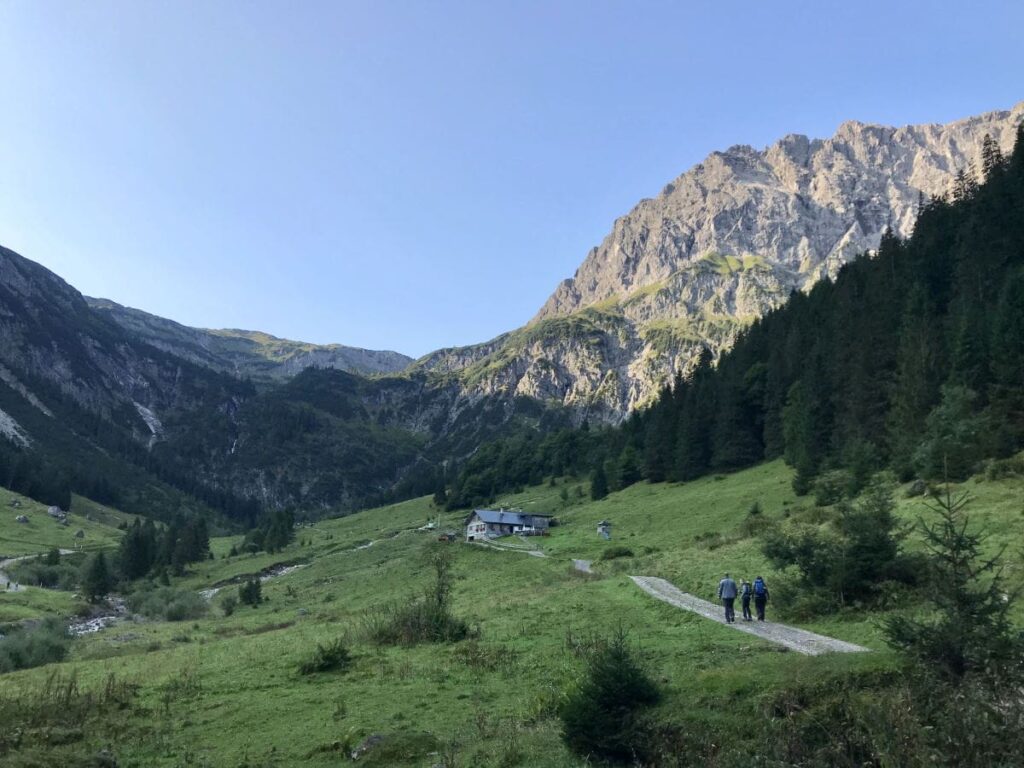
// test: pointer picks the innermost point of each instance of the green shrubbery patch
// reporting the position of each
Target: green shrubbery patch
(167, 603)
(333, 657)
(23, 647)
(426, 619)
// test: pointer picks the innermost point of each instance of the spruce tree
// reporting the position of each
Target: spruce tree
(627, 468)
(971, 628)
(599, 483)
(601, 718)
(953, 437)
(992, 161)
(1007, 366)
(916, 388)
(96, 579)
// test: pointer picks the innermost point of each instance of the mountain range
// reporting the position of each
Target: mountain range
(107, 400)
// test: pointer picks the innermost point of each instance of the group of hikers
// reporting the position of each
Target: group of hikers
(728, 592)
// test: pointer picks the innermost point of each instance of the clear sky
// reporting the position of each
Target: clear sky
(411, 175)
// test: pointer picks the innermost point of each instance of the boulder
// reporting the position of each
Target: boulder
(367, 744)
(21, 519)
(79, 534)
(917, 488)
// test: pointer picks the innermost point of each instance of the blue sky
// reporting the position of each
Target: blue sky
(411, 175)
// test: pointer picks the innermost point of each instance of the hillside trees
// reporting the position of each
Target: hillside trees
(848, 560)
(147, 548)
(275, 531)
(911, 359)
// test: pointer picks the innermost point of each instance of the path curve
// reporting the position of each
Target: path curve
(5, 580)
(799, 640)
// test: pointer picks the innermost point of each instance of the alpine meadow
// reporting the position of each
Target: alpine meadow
(747, 490)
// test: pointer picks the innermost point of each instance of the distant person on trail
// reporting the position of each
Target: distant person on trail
(760, 597)
(745, 593)
(727, 594)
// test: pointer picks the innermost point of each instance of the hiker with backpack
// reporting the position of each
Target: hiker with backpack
(727, 594)
(760, 597)
(746, 591)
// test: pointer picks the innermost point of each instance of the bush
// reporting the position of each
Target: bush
(50, 571)
(601, 718)
(1000, 469)
(228, 603)
(251, 592)
(22, 648)
(427, 619)
(167, 603)
(831, 487)
(333, 657)
(615, 552)
(755, 521)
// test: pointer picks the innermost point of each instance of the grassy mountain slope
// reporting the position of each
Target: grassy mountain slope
(226, 691)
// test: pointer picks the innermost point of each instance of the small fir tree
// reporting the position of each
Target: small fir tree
(971, 628)
(96, 579)
(600, 719)
(599, 483)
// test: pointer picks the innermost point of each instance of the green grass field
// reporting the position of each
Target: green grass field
(42, 533)
(225, 691)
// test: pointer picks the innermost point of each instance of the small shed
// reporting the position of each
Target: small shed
(604, 530)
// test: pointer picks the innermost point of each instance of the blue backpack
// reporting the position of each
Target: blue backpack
(759, 587)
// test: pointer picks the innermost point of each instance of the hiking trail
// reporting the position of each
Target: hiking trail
(799, 640)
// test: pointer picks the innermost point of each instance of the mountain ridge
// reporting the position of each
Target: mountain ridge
(722, 244)
(256, 354)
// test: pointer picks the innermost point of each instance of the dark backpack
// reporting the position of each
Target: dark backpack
(759, 588)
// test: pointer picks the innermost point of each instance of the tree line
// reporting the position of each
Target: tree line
(911, 359)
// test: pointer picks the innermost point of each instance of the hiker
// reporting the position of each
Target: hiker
(727, 594)
(760, 597)
(746, 591)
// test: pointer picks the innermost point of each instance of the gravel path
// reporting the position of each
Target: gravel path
(798, 640)
(5, 582)
(582, 565)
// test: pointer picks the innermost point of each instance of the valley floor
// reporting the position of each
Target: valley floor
(225, 690)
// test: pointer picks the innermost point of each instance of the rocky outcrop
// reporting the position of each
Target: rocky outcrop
(802, 206)
(722, 244)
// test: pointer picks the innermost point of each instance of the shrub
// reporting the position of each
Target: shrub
(611, 553)
(427, 619)
(831, 487)
(228, 603)
(50, 571)
(22, 648)
(755, 521)
(167, 603)
(251, 592)
(44, 720)
(601, 718)
(333, 657)
(1003, 468)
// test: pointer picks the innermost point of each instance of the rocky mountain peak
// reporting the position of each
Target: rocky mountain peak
(720, 245)
(803, 206)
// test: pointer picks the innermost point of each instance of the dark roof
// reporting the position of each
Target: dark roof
(497, 516)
